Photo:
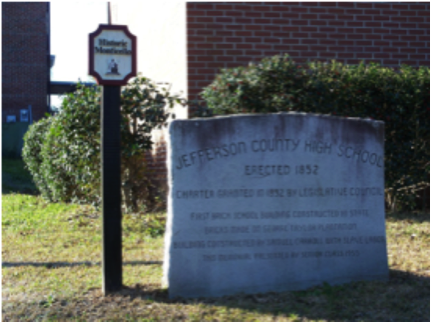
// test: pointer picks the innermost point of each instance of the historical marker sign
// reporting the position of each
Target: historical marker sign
(112, 50)
(274, 202)
(112, 61)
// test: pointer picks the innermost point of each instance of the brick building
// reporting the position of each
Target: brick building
(25, 58)
(222, 35)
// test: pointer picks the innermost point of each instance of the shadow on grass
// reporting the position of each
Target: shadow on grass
(18, 190)
(404, 297)
(53, 265)
(16, 178)
(415, 216)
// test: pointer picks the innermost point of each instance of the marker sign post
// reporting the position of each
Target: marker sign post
(112, 61)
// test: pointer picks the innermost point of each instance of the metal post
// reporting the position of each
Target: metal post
(111, 189)
(109, 14)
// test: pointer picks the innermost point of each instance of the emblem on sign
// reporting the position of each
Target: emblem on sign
(113, 68)
(112, 55)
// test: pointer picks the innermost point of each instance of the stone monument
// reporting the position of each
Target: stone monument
(274, 202)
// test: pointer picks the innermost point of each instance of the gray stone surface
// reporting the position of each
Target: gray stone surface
(274, 202)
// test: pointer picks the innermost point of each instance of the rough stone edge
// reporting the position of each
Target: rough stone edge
(169, 218)
(281, 113)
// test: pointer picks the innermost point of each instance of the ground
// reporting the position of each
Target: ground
(51, 271)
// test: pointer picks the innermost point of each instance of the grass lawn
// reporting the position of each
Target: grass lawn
(51, 271)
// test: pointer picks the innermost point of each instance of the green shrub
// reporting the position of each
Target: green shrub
(70, 150)
(31, 154)
(401, 98)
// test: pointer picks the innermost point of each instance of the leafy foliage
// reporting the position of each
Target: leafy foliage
(31, 153)
(69, 159)
(71, 150)
(144, 108)
(400, 98)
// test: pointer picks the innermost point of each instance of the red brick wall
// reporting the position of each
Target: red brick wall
(156, 162)
(25, 57)
(228, 34)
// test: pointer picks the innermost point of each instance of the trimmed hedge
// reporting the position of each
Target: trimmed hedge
(401, 98)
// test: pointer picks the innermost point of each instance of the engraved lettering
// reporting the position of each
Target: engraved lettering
(233, 149)
(255, 145)
(193, 156)
(201, 155)
(366, 156)
(217, 152)
(373, 158)
(380, 161)
(180, 163)
(208, 151)
(341, 151)
(225, 150)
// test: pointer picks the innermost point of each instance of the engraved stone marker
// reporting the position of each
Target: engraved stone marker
(274, 202)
